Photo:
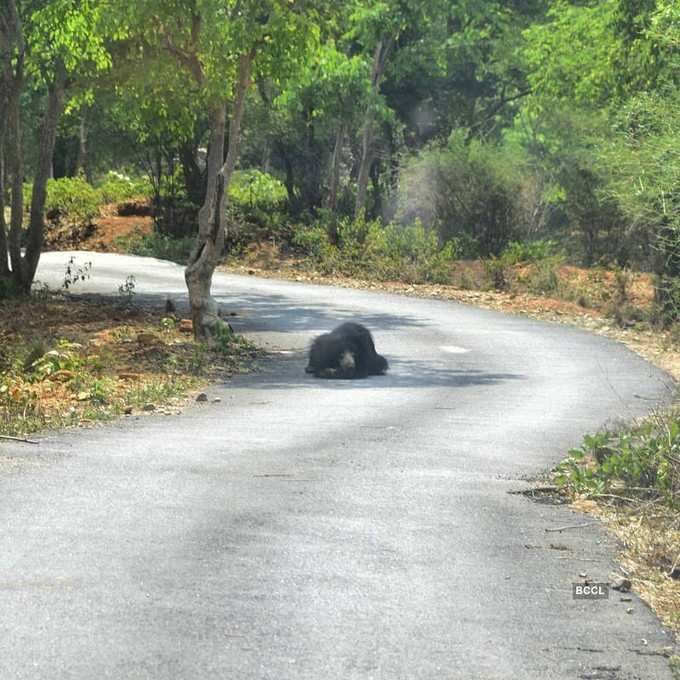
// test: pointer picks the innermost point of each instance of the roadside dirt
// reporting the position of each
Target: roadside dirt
(75, 361)
(107, 235)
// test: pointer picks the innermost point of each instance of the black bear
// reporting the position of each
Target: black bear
(346, 352)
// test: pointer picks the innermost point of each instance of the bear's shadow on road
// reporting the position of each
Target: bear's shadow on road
(280, 314)
(288, 372)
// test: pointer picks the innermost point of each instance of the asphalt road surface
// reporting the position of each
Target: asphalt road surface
(326, 530)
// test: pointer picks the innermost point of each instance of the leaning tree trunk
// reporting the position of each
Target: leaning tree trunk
(212, 215)
(382, 52)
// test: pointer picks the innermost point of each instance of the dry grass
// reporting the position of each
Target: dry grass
(650, 535)
(97, 360)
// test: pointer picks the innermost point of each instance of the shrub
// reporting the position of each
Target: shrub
(520, 251)
(643, 459)
(545, 278)
(116, 187)
(370, 249)
(71, 200)
(157, 245)
(470, 191)
(255, 189)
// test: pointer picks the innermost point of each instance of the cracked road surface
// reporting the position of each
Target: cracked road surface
(321, 530)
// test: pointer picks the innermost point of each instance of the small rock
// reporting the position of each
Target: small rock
(83, 396)
(619, 582)
(63, 375)
(148, 407)
(216, 400)
(146, 339)
(128, 376)
(202, 397)
(128, 410)
(251, 272)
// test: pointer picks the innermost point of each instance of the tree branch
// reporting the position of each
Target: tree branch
(188, 59)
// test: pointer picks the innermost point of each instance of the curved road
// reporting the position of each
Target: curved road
(325, 530)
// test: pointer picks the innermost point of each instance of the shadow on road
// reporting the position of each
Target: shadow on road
(287, 372)
(280, 313)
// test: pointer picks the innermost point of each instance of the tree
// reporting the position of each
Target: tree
(47, 46)
(222, 45)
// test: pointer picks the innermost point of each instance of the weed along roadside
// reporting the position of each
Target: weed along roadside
(73, 361)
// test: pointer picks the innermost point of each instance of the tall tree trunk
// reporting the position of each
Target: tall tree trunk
(4, 88)
(211, 217)
(194, 179)
(367, 136)
(4, 264)
(36, 226)
(15, 171)
(82, 165)
(380, 56)
(334, 182)
(12, 56)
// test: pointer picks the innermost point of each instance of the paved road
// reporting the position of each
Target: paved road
(324, 530)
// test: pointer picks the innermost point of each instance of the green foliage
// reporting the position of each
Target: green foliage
(116, 187)
(545, 280)
(230, 346)
(642, 166)
(157, 245)
(517, 252)
(223, 339)
(466, 191)
(370, 249)
(642, 459)
(254, 189)
(64, 357)
(71, 200)
(572, 55)
(198, 361)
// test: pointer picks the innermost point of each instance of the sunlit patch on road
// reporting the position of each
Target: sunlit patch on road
(453, 349)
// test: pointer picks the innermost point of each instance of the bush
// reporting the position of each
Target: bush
(118, 188)
(466, 191)
(545, 279)
(517, 252)
(254, 189)
(157, 245)
(71, 200)
(642, 460)
(372, 250)
(256, 209)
